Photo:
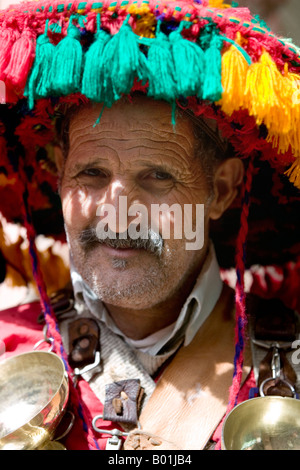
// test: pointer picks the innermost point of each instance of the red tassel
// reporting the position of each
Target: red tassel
(22, 57)
(7, 39)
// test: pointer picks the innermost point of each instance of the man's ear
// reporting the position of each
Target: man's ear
(227, 180)
(59, 159)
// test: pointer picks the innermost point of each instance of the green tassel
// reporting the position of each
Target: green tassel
(92, 79)
(123, 62)
(189, 62)
(212, 84)
(161, 68)
(38, 85)
(67, 63)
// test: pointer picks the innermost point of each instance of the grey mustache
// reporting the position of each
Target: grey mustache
(150, 240)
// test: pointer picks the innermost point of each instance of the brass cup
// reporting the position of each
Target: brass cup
(34, 392)
(264, 423)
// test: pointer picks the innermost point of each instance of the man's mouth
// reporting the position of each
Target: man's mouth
(121, 252)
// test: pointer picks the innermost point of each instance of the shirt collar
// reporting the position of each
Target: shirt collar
(194, 312)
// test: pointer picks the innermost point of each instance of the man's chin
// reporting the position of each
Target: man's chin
(130, 296)
(124, 285)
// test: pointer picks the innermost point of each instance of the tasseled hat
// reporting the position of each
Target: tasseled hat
(213, 59)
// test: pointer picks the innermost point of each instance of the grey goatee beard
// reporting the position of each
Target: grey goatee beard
(114, 291)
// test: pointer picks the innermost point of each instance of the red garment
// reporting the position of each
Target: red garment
(20, 331)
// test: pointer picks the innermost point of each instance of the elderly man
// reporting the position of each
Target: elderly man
(149, 155)
(136, 153)
(156, 300)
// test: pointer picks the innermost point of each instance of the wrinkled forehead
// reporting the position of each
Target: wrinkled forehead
(140, 116)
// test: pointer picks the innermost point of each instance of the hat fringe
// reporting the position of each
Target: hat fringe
(212, 86)
(92, 79)
(187, 56)
(7, 39)
(265, 95)
(162, 84)
(21, 59)
(123, 61)
(286, 141)
(38, 84)
(234, 74)
(67, 63)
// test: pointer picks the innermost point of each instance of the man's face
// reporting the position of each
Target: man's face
(135, 153)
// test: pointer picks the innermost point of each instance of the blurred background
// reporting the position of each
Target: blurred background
(282, 16)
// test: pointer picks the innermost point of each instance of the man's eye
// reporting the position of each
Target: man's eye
(162, 175)
(93, 172)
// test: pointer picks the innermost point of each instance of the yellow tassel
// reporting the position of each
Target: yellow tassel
(218, 4)
(282, 142)
(291, 139)
(294, 173)
(294, 80)
(234, 73)
(268, 94)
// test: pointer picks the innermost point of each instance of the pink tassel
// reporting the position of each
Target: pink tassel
(22, 57)
(7, 39)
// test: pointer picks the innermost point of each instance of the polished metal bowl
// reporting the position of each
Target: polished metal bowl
(264, 423)
(33, 396)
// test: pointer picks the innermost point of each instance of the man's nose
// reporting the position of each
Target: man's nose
(119, 197)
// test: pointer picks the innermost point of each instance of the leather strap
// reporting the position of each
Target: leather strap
(123, 401)
(62, 301)
(84, 336)
(83, 333)
(191, 396)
